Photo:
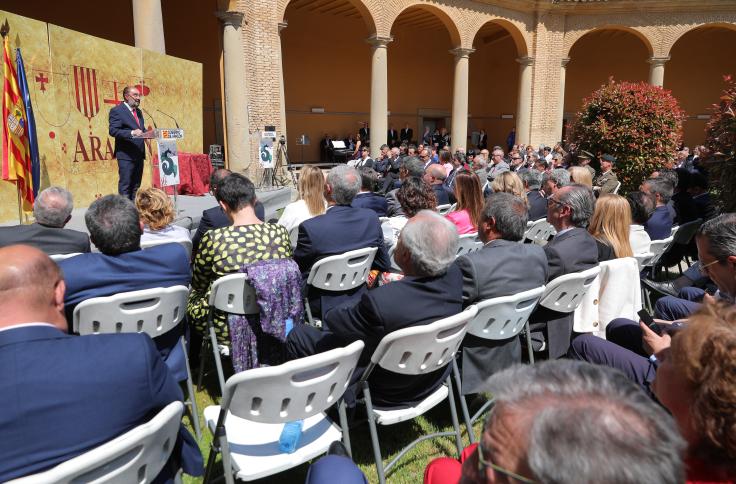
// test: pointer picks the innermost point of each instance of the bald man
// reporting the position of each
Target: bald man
(435, 175)
(63, 395)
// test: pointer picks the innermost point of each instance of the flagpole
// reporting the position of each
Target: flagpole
(20, 204)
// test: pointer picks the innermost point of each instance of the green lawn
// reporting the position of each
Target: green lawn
(392, 438)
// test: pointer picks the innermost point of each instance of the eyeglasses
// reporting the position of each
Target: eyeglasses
(704, 268)
(552, 200)
(482, 464)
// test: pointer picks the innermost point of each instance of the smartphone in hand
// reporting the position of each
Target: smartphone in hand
(647, 318)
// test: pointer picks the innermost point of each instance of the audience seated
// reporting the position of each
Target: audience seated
(510, 182)
(609, 226)
(410, 167)
(572, 249)
(431, 290)
(501, 268)
(642, 207)
(435, 175)
(341, 229)
(157, 213)
(365, 197)
(311, 199)
(568, 422)
(226, 250)
(534, 196)
(414, 196)
(469, 203)
(64, 395)
(581, 174)
(659, 225)
(52, 210)
(214, 218)
(698, 190)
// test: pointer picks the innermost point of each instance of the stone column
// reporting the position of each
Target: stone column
(561, 102)
(379, 93)
(656, 70)
(236, 93)
(459, 131)
(148, 25)
(524, 104)
(282, 96)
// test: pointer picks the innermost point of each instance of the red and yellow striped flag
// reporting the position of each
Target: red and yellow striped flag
(16, 166)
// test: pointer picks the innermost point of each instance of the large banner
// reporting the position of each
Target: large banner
(74, 80)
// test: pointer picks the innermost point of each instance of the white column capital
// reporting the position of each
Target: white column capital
(461, 52)
(525, 61)
(564, 62)
(231, 18)
(283, 25)
(378, 41)
(658, 61)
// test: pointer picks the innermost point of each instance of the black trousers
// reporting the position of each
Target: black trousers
(130, 173)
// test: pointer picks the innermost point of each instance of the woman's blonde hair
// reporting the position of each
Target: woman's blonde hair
(509, 182)
(610, 223)
(580, 174)
(155, 208)
(311, 189)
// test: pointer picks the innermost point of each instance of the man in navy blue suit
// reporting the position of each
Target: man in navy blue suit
(659, 225)
(366, 198)
(127, 127)
(63, 395)
(341, 229)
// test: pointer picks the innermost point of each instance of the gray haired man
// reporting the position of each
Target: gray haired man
(431, 290)
(52, 209)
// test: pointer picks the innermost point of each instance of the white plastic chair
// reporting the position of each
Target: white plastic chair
(468, 243)
(153, 311)
(539, 231)
(682, 235)
(136, 456)
(60, 257)
(565, 293)
(499, 318)
(231, 294)
(416, 350)
(186, 243)
(256, 403)
(656, 249)
(444, 209)
(342, 272)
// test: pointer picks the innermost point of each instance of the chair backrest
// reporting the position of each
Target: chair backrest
(615, 190)
(468, 243)
(295, 390)
(233, 294)
(136, 456)
(565, 293)
(539, 231)
(685, 232)
(643, 259)
(423, 349)
(343, 271)
(294, 236)
(657, 248)
(152, 311)
(504, 317)
(186, 243)
(60, 257)
(444, 209)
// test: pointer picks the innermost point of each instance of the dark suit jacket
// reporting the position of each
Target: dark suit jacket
(214, 218)
(572, 251)
(394, 207)
(659, 225)
(500, 268)
(412, 301)
(51, 240)
(406, 134)
(442, 194)
(704, 206)
(368, 163)
(375, 202)
(391, 136)
(122, 122)
(340, 229)
(537, 205)
(63, 395)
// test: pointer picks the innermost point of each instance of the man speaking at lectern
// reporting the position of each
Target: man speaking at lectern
(127, 126)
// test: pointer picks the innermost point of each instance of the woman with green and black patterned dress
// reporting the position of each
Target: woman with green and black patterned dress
(225, 250)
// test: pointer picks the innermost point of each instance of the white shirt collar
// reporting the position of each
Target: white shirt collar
(563, 231)
(26, 325)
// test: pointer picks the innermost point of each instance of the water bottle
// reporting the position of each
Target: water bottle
(289, 439)
(288, 326)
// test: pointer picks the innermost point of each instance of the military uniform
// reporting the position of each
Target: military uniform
(592, 171)
(607, 182)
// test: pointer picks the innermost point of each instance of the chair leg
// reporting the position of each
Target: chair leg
(463, 402)
(455, 422)
(193, 411)
(218, 362)
(202, 353)
(345, 427)
(529, 348)
(309, 312)
(214, 450)
(374, 434)
(226, 461)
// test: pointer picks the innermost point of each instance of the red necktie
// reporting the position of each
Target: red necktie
(135, 115)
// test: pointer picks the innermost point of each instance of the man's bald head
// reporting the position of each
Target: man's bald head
(437, 171)
(31, 288)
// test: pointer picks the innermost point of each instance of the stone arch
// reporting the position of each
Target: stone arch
(677, 35)
(365, 13)
(444, 17)
(572, 38)
(516, 34)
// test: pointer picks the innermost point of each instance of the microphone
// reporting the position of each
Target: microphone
(170, 117)
(149, 115)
